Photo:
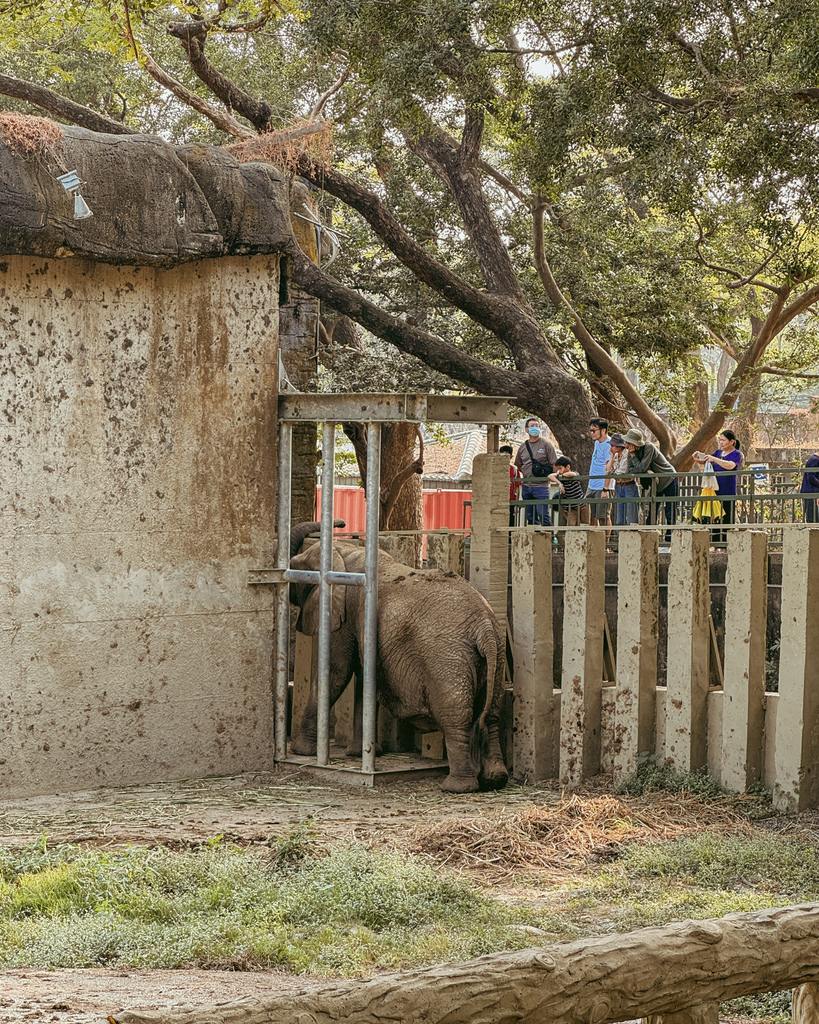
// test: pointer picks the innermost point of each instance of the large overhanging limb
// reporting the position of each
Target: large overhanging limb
(650, 972)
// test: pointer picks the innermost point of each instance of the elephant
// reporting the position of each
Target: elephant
(439, 660)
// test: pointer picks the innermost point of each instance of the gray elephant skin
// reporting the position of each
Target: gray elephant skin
(439, 643)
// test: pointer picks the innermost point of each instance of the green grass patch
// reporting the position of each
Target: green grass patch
(652, 777)
(345, 913)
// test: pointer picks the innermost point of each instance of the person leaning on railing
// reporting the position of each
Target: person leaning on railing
(727, 456)
(810, 488)
(626, 513)
(646, 460)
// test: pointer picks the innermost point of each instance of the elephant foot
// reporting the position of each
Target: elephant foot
(493, 775)
(459, 784)
(303, 745)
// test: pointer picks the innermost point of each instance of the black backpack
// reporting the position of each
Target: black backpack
(538, 468)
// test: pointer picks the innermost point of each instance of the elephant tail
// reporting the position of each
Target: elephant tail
(487, 644)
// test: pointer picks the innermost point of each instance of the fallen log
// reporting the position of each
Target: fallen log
(682, 970)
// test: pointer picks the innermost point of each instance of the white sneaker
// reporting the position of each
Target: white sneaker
(664, 551)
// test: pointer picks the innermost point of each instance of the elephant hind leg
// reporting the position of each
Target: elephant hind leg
(463, 773)
(493, 773)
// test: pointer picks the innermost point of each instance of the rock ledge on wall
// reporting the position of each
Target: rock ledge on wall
(152, 204)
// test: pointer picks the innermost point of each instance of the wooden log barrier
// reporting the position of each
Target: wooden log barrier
(680, 969)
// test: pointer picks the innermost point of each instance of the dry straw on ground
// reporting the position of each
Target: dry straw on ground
(24, 134)
(574, 831)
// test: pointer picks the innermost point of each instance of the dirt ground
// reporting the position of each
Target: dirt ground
(246, 809)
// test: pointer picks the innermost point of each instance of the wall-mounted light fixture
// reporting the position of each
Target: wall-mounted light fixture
(72, 184)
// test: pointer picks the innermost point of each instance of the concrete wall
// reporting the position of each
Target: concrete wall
(137, 487)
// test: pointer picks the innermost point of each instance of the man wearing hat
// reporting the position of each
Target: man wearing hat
(626, 513)
(646, 460)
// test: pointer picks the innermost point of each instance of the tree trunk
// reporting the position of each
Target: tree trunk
(607, 397)
(744, 422)
(402, 505)
(700, 404)
(298, 324)
(653, 971)
(398, 443)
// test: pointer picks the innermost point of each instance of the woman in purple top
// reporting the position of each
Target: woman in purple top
(810, 487)
(726, 457)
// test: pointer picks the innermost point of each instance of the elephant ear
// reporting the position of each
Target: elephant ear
(309, 616)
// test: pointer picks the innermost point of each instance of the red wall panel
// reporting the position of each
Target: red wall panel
(443, 510)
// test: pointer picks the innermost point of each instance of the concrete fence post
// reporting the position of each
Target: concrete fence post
(637, 634)
(535, 728)
(489, 541)
(689, 640)
(746, 616)
(796, 771)
(584, 576)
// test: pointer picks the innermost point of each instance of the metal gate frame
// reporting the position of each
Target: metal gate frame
(329, 410)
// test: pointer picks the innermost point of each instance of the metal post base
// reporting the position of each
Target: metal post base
(389, 768)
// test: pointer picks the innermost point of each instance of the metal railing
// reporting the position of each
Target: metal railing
(765, 498)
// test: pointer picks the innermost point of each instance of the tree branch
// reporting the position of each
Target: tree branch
(490, 311)
(798, 306)
(60, 107)
(322, 101)
(222, 120)
(192, 36)
(722, 344)
(745, 366)
(780, 372)
(438, 354)
(593, 349)
(458, 170)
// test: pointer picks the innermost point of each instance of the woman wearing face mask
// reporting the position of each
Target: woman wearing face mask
(535, 459)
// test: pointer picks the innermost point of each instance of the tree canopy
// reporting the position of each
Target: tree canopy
(558, 202)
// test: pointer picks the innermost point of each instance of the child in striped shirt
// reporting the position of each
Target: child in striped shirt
(574, 509)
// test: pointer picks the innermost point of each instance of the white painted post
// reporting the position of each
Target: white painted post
(638, 585)
(796, 772)
(535, 729)
(688, 655)
(746, 616)
(489, 542)
(584, 598)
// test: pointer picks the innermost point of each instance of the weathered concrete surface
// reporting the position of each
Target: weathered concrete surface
(137, 487)
(688, 650)
(637, 636)
(580, 701)
(796, 781)
(151, 204)
(489, 552)
(746, 615)
(536, 727)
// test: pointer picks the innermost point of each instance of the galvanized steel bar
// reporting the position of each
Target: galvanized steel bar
(328, 438)
(347, 579)
(282, 595)
(371, 596)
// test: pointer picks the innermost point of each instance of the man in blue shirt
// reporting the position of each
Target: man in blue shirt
(599, 511)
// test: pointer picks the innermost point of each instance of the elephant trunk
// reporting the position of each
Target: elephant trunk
(303, 530)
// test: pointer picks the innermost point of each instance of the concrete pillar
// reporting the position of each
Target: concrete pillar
(535, 729)
(489, 542)
(638, 587)
(584, 576)
(796, 773)
(746, 610)
(689, 642)
(446, 551)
